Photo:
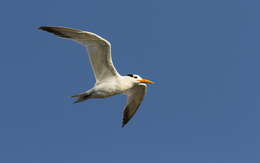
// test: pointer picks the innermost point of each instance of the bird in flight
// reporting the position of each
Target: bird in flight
(108, 81)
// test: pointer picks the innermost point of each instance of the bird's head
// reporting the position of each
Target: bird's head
(138, 79)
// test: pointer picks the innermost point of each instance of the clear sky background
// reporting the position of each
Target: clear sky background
(204, 108)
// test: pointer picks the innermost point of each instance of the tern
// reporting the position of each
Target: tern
(108, 81)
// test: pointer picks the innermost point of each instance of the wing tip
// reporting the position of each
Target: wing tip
(123, 125)
(42, 27)
(45, 28)
(124, 122)
(53, 30)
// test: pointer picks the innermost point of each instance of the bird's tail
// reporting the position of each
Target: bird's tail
(81, 97)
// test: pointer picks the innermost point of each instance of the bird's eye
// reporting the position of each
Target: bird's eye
(135, 76)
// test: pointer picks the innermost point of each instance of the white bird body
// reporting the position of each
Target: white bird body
(112, 86)
(108, 81)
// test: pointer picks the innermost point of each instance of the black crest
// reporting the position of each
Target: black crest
(131, 75)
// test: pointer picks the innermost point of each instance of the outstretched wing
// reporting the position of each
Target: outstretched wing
(99, 49)
(135, 98)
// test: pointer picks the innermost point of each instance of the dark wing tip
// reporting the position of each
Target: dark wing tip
(125, 118)
(124, 123)
(46, 28)
(42, 27)
(54, 30)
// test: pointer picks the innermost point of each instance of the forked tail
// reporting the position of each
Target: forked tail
(81, 97)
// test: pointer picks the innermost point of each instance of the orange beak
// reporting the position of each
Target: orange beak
(146, 81)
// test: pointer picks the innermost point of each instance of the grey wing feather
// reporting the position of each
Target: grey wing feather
(98, 48)
(135, 98)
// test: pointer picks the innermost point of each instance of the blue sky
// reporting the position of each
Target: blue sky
(204, 108)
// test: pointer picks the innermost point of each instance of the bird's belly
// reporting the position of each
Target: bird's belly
(105, 91)
(103, 94)
(108, 89)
